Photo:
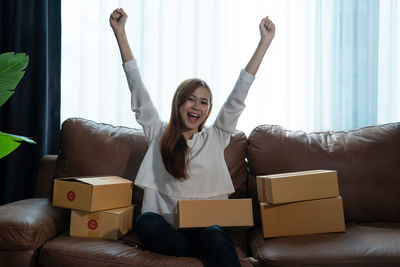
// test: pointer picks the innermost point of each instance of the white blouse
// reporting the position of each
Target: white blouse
(208, 174)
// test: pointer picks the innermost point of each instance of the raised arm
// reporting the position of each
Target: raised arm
(267, 31)
(145, 112)
(232, 109)
(117, 21)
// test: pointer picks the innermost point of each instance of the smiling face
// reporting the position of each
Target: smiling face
(195, 110)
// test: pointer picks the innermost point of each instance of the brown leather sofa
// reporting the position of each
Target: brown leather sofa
(33, 233)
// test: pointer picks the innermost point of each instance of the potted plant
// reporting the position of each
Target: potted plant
(11, 72)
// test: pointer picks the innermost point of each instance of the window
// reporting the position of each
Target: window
(333, 65)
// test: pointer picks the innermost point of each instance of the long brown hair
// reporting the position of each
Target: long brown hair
(173, 147)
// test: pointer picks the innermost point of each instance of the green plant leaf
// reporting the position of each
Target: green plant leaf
(9, 142)
(11, 72)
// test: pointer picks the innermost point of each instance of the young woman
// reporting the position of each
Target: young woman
(185, 160)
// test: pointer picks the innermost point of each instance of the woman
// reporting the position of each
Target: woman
(185, 160)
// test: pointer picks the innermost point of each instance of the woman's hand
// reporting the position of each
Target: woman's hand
(267, 30)
(117, 20)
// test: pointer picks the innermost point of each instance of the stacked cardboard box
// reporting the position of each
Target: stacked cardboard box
(101, 206)
(300, 203)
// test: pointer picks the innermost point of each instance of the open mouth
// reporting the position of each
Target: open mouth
(193, 117)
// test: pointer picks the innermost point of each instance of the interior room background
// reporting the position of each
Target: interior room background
(333, 65)
(33, 28)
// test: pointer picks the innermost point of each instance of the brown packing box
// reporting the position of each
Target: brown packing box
(297, 186)
(109, 224)
(204, 213)
(92, 193)
(304, 217)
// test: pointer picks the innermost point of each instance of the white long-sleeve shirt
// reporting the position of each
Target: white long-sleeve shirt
(209, 177)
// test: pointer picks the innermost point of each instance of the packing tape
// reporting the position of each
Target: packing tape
(125, 221)
(93, 224)
(263, 190)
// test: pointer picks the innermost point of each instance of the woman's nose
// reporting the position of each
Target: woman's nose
(195, 105)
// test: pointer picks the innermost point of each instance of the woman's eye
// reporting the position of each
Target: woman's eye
(204, 103)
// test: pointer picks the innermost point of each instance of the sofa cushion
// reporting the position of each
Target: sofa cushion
(367, 161)
(28, 223)
(77, 251)
(19, 257)
(373, 244)
(88, 148)
(235, 158)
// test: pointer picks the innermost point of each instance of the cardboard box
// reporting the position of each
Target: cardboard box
(297, 186)
(305, 217)
(92, 193)
(109, 224)
(204, 213)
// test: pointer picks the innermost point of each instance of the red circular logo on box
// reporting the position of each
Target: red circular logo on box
(92, 224)
(71, 195)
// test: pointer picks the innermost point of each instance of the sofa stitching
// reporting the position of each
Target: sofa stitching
(33, 228)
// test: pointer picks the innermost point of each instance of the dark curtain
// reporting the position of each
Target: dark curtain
(32, 27)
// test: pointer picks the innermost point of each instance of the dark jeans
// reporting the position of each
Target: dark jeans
(212, 243)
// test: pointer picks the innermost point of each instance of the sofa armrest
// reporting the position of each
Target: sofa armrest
(47, 170)
(27, 224)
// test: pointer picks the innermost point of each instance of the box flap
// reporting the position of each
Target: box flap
(102, 180)
(289, 174)
(118, 211)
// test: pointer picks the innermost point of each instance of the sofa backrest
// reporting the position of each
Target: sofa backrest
(88, 148)
(367, 161)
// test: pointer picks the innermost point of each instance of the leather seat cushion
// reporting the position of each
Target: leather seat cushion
(372, 244)
(28, 223)
(78, 251)
(18, 257)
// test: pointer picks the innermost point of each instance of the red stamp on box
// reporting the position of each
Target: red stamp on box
(92, 224)
(71, 195)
